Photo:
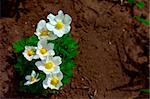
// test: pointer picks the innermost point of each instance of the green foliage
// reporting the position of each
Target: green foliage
(65, 47)
(20, 44)
(140, 4)
(131, 1)
(142, 20)
(67, 69)
(34, 88)
(145, 90)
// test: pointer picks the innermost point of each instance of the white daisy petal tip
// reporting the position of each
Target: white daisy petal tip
(57, 60)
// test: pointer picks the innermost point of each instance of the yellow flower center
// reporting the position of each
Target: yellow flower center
(31, 52)
(43, 50)
(48, 65)
(44, 33)
(54, 81)
(33, 78)
(59, 25)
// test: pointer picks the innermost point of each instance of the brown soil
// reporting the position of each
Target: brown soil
(110, 48)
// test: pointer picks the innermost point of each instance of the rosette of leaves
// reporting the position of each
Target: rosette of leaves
(66, 47)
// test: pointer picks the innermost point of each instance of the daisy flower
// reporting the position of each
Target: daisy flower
(43, 33)
(51, 64)
(59, 24)
(32, 78)
(53, 81)
(30, 53)
(44, 49)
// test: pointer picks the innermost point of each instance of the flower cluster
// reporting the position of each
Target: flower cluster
(44, 53)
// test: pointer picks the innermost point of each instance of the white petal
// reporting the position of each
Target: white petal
(39, 44)
(27, 77)
(52, 86)
(60, 12)
(38, 79)
(56, 87)
(59, 85)
(36, 33)
(60, 16)
(27, 83)
(51, 37)
(50, 17)
(26, 47)
(50, 27)
(41, 24)
(39, 63)
(43, 57)
(57, 60)
(45, 85)
(36, 57)
(46, 71)
(33, 73)
(67, 19)
(56, 70)
(41, 68)
(37, 76)
(60, 75)
(59, 33)
(43, 42)
(49, 46)
(66, 29)
(51, 52)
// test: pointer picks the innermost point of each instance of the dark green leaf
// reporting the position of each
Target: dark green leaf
(19, 45)
(42, 75)
(140, 4)
(142, 20)
(145, 90)
(131, 1)
(66, 80)
(32, 41)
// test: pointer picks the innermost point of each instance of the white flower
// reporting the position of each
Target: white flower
(30, 53)
(31, 78)
(59, 24)
(53, 81)
(51, 64)
(43, 33)
(44, 49)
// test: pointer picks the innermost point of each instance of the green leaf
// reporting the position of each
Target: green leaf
(140, 4)
(20, 66)
(65, 80)
(19, 45)
(142, 20)
(66, 47)
(32, 41)
(42, 75)
(131, 1)
(145, 90)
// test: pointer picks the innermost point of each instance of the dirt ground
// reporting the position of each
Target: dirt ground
(112, 46)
